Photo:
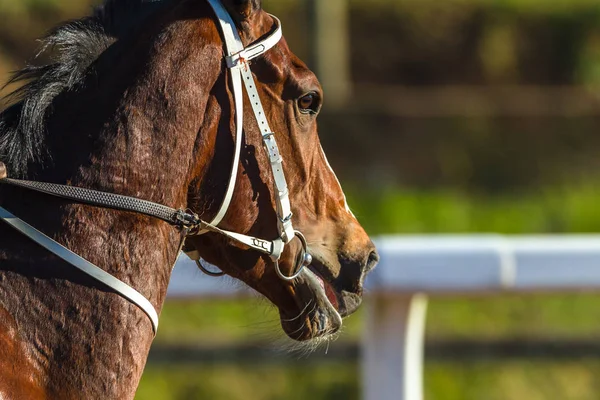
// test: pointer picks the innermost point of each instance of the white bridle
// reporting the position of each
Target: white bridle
(237, 59)
(237, 62)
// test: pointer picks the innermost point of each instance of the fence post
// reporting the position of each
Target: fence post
(330, 44)
(392, 348)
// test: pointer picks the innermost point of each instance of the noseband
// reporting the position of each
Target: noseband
(241, 76)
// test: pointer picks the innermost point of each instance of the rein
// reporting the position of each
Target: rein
(190, 223)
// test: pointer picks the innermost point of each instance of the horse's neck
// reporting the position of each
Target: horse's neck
(58, 329)
(73, 337)
(64, 335)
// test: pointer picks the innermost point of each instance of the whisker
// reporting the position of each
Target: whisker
(301, 312)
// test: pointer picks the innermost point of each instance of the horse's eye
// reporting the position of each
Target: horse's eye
(309, 103)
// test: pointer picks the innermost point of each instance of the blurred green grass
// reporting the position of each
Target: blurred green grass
(324, 381)
(549, 316)
(481, 380)
(562, 209)
(512, 380)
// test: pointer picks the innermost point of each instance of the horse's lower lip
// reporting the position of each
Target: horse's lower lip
(320, 318)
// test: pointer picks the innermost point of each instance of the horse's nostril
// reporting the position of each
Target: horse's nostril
(372, 261)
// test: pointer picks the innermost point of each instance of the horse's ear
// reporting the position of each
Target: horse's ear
(243, 9)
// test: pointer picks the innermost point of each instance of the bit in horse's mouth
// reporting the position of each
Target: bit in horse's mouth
(327, 287)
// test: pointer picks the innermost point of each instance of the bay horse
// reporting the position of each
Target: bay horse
(142, 100)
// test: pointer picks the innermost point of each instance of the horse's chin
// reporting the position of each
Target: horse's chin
(318, 316)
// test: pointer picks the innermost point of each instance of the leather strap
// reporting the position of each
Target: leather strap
(235, 54)
(284, 209)
(124, 203)
(233, 47)
(237, 61)
(272, 248)
(82, 264)
(108, 200)
(257, 49)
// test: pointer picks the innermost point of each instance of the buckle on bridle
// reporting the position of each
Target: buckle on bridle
(237, 60)
(187, 220)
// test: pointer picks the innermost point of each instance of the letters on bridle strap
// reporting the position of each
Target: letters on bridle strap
(241, 76)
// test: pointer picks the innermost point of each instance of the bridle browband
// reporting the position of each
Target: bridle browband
(191, 224)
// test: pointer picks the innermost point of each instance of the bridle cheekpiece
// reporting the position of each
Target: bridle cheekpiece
(237, 60)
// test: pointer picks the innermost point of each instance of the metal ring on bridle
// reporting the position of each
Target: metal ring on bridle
(207, 272)
(305, 262)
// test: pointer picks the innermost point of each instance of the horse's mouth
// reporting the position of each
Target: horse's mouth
(319, 303)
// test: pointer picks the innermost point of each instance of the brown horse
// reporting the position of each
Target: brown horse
(137, 101)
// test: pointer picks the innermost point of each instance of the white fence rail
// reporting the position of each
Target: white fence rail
(412, 268)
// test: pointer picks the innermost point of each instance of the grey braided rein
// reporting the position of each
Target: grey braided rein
(113, 201)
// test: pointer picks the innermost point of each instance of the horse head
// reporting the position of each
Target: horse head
(145, 93)
(312, 305)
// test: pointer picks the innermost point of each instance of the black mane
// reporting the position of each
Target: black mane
(72, 48)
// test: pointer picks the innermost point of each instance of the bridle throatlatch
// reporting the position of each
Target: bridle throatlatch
(239, 69)
(237, 60)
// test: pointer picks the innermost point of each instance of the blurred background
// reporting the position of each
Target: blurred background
(454, 116)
